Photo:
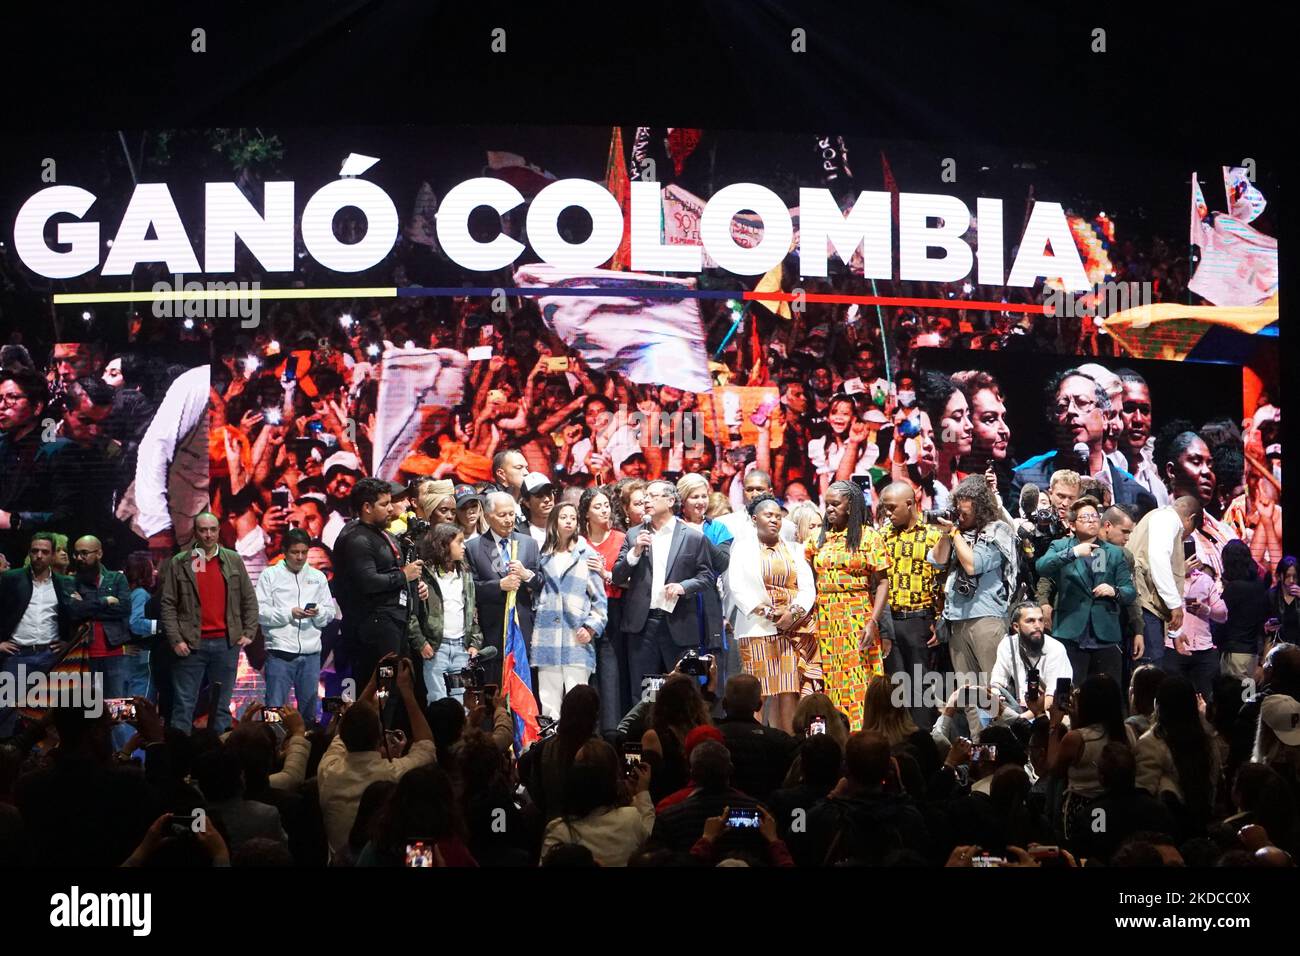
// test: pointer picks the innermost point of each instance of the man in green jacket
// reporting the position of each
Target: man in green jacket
(1092, 583)
(209, 612)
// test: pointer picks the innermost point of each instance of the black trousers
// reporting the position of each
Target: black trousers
(378, 635)
(911, 656)
(1101, 660)
(650, 651)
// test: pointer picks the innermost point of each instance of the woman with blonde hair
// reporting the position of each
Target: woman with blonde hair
(807, 520)
(719, 505)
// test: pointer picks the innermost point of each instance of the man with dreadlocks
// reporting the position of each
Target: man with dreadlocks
(849, 561)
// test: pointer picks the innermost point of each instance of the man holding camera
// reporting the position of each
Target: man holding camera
(1093, 585)
(979, 553)
(375, 591)
(293, 606)
(1030, 661)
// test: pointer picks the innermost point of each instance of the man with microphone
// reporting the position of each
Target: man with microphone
(659, 611)
(1077, 406)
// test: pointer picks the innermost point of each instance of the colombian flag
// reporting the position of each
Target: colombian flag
(516, 676)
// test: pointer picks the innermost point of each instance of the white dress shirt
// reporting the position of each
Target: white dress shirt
(40, 622)
(662, 542)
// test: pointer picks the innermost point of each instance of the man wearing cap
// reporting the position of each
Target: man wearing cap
(538, 502)
(496, 574)
(342, 469)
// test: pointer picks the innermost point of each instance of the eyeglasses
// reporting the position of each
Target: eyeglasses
(1084, 405)
(1087, 518)
(12, 398)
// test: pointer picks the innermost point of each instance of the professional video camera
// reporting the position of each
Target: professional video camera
(416, 528)
(471, 677)
(1044, 523)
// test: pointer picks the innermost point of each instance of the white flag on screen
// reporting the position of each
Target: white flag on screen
(651, 339)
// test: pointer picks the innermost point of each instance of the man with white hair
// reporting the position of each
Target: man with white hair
(503, 560)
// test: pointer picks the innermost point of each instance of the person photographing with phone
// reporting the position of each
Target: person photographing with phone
(1030, 662)
(294, 605)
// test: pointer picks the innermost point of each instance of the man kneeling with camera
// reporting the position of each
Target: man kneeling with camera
(1030, 661)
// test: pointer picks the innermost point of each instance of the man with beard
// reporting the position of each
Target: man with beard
(342, 470)
(1136, 442)
(1077, 405)
(1026, 649)
(100, 602)
(34, 493)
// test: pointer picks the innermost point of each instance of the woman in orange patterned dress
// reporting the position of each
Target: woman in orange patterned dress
(849, 561)
(772, 586)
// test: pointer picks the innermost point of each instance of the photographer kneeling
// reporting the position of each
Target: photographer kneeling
(1030, 661)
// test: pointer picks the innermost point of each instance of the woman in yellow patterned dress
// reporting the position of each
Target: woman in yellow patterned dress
(849, 561)
(772, 586)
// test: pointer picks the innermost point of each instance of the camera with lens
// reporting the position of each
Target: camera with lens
(416, 528)
(941, 514)
(471, 677)
(963, 583)
(695, 664)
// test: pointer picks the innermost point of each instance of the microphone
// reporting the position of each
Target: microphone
(1081, 450)
(1029, 496)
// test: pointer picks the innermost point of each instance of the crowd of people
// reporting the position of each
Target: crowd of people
(855, 625)
(787, 684)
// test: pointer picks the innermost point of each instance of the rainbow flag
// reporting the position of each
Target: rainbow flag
(75, 660)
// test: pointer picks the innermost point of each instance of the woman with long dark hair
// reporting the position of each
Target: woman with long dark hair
(950, 416)
(826, 452)
(677, 710)
(1177, 755)
(444, 630)
(422, 810)
(1241, 637)
(141, 578)
(570, 614)
(1096, 719)
(597, 812)
(849, 562)
(1285, 599)
(543, 767)
(596, 525)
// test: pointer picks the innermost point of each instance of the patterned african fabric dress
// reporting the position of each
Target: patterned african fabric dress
(843, 609)
(790, 662)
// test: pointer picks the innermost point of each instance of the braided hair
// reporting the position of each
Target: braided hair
(857, 514)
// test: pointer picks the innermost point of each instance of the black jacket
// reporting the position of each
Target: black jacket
(689, 564)
(16, 594)
(92, 606)
(866, 828)
(368, 576)
(760, 755)
(1248, 609)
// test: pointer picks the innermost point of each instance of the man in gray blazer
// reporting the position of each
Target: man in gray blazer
(495, 575)
(664, 563)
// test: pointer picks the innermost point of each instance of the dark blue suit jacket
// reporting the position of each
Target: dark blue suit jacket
(1038, 471)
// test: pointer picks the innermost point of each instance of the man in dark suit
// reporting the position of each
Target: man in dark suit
(34, 619)
(663, 564)
(496, 575)
(1076, 406)
(1093, 585)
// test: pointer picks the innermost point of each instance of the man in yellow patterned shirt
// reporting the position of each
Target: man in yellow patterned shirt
(915, 592)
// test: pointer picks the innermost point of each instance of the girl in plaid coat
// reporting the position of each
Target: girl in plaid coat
(570, 612)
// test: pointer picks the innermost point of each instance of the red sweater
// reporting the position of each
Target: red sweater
(212, 600)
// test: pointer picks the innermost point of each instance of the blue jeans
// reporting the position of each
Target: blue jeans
(302, 672)
(1153, 639)
(31, 662)
(115, 672)
(139, 676)
(219, 662)
(449, 656)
